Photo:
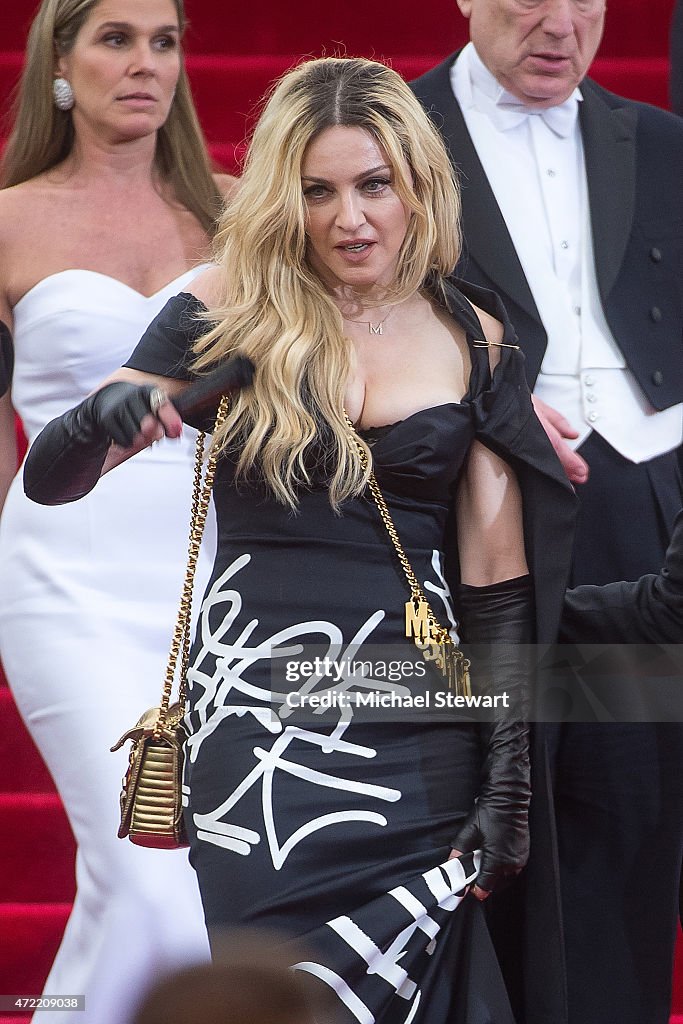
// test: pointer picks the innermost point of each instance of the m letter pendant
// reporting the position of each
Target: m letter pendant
(375, 328)
(417, 619)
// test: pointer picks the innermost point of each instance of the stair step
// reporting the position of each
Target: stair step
(337, 28)
(37, 852)
(30, 934)
(244, 80)
(21, 767)
(307, 26)
(677, 994)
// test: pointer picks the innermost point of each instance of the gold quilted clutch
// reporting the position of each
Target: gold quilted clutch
(151, 797)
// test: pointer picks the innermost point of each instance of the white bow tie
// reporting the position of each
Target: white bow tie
(508, 112)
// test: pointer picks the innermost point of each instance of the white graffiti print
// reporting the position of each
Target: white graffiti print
(221, 691)
(444, 594)
(350, 957)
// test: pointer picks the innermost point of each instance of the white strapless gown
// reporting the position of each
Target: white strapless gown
(88, 601)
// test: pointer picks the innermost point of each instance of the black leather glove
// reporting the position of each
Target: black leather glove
(6, 358)
(66, 458)
(498, 619)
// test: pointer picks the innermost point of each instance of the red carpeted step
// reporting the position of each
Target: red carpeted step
(307, 26)
(229, 90)
(637, 28)
(640, 78)
(302, 28)
(10, 68)
(437, 28)
(235, 55)
(677, 995)
(36, 862)
(37, 851)
(30, 934)
(21, 766)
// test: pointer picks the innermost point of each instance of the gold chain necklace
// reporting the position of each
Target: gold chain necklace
(373, 328)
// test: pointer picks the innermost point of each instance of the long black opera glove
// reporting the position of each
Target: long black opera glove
(66, 458)
(6, 358)
(497, 619)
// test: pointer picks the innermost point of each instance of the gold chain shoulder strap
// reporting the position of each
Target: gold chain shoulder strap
(180, 644)
(433, 639)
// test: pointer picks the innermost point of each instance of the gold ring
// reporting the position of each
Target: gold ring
(157, 398)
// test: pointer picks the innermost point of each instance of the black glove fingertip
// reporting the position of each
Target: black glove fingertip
(466, 839)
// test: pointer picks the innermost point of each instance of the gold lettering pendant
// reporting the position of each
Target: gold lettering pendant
(437, 646)
(417, 619)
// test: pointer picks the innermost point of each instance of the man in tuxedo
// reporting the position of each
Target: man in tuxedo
(573, 213)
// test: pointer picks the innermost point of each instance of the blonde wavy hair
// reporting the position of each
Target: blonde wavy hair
(276, 310)
(43, 136)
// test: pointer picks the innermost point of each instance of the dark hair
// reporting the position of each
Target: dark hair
(250, 981)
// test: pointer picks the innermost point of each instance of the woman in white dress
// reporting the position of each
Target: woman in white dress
(107, 211)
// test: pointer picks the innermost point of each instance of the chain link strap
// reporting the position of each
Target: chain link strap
(180, 643)
(433, 639)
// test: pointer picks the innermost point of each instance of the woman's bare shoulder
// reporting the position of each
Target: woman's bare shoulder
(208, 287)
(21, 213)
(31, 222)
(23, 203)
(42, 185)
(226, 184)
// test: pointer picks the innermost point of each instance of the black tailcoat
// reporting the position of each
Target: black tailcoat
(618, 932)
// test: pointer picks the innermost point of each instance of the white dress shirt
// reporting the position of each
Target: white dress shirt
(534, 162)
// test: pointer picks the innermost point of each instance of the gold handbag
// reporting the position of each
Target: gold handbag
(151, 797)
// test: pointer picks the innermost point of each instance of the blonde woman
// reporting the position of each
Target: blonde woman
(353, 830)
(107, 210)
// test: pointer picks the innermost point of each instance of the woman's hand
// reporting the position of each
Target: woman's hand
(498, 823)
(560, 430)
(476, 890)
(131, 415)
(68, 456)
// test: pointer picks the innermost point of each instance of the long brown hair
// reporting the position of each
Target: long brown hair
(42, 136)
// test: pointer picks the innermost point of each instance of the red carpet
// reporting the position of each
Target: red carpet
(234, 53)
(232, 59)
(37, 865)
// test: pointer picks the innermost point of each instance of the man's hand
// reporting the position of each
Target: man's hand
(558, 428)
